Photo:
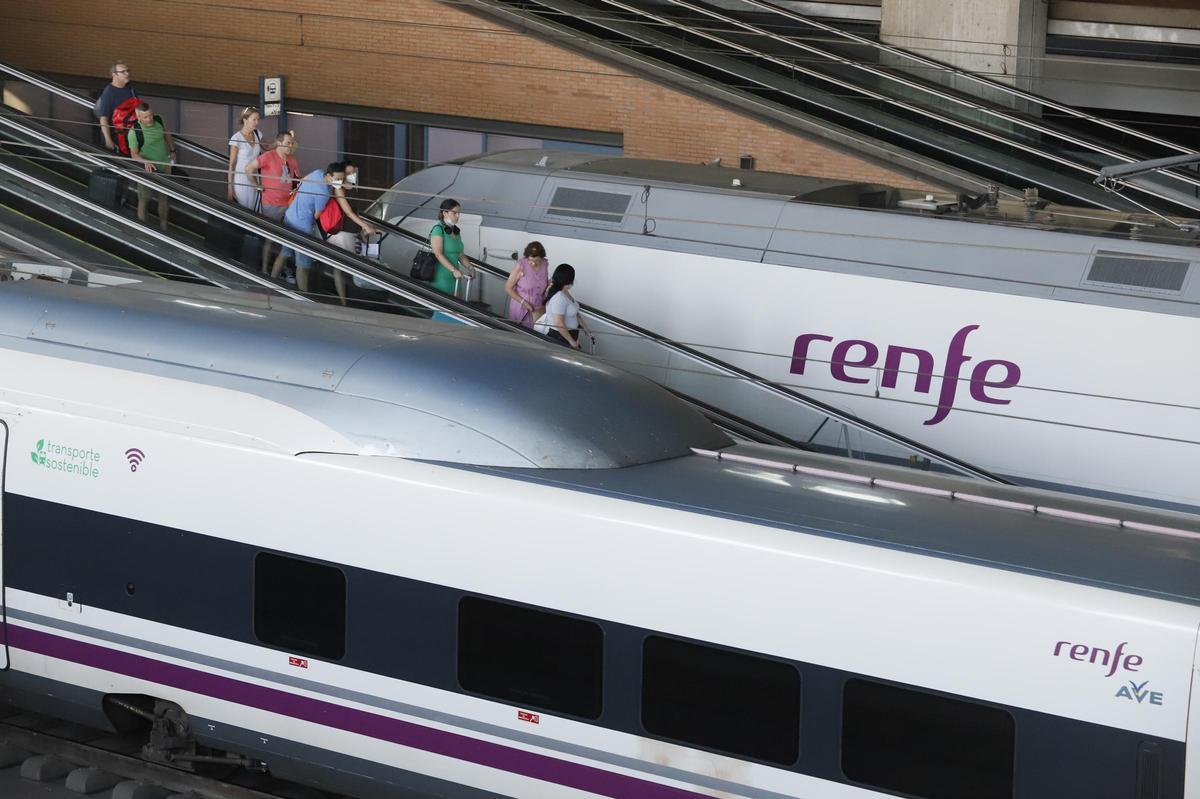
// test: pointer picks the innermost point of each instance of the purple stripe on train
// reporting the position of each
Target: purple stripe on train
(955, 359)
(404, 733)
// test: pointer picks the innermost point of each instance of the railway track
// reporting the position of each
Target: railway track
(46, 758)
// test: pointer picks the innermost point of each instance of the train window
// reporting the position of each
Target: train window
(300, 606)
(530, 657)
(740, 704)
(925, 745)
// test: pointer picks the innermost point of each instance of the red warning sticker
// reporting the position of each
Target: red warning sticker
(532, 718)
(298, 662)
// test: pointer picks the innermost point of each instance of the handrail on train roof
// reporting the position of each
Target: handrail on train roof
(1120, 172)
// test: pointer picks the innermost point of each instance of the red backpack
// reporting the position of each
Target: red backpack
(123, 117)
(330, 220)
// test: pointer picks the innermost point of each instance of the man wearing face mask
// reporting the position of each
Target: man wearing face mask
(349, 226)
(315, 190)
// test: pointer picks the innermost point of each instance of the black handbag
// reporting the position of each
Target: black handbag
(424, 265)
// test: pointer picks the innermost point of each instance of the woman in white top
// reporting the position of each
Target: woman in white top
(562, 320)
(244, 146)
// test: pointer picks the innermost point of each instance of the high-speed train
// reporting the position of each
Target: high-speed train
(1046, 344)
(392, 556)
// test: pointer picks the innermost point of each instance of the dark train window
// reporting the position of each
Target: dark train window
(530, 657)
(736, 703)
(598, 206)
(925, 745)
(300, 606)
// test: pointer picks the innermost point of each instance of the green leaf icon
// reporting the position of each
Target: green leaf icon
(40, 444)
(35, 458)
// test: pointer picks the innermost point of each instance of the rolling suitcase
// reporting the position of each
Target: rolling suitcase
(106, 188)
(468, 290)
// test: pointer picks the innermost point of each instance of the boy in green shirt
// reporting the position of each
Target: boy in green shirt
(154, 147)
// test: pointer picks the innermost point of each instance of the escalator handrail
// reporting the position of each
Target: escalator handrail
(1181, 199)
(958, 71)
(59, 90)
(427, 297)
(1090, 196)
(723, 419)
(668, 23)
(728, 369)
(941, 94)
(746, 376)
(204, 152)
(245, 220)
(150, 232)
(216, 158)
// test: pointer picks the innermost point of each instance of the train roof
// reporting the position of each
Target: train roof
(1044, 533)
(641, 170)
(873, 230)
(391, 385)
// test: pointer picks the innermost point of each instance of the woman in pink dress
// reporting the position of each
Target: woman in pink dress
(526, 286)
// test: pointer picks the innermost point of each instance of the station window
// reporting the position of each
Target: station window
(735, 703)
(925, 745)
(530, 657)
(300, 606)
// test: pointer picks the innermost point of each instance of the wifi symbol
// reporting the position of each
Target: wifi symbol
(134, 456)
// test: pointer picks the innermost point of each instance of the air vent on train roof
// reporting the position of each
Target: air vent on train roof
(1141, 272)
(596, 206)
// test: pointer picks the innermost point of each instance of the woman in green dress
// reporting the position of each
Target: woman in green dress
(447, 245)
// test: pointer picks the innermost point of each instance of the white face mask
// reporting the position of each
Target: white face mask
(337, 184)
(352, 178)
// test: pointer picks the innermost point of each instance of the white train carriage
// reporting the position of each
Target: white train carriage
(432, 559)
(1045, 346)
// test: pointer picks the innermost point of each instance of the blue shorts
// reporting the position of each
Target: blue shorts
(302, 261)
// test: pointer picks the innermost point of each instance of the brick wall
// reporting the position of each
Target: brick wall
(417, 55)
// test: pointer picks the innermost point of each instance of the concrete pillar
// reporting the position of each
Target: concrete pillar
(1001, 39)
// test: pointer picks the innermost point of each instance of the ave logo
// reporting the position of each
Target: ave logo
(1138, 692)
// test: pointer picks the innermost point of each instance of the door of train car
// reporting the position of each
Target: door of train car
(3, 610)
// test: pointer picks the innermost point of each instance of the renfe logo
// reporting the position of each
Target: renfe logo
(1091, 654)
(867, 355)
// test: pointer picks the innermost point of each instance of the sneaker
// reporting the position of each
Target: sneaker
(290, 278)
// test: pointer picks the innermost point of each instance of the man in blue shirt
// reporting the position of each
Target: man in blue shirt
(115, 93)
(315, 190)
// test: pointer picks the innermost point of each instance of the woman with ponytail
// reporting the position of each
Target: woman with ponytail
(562, 321)
(245, 145)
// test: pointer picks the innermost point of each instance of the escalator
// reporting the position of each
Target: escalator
(944, 124)
(46, 214)
(221, 236)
